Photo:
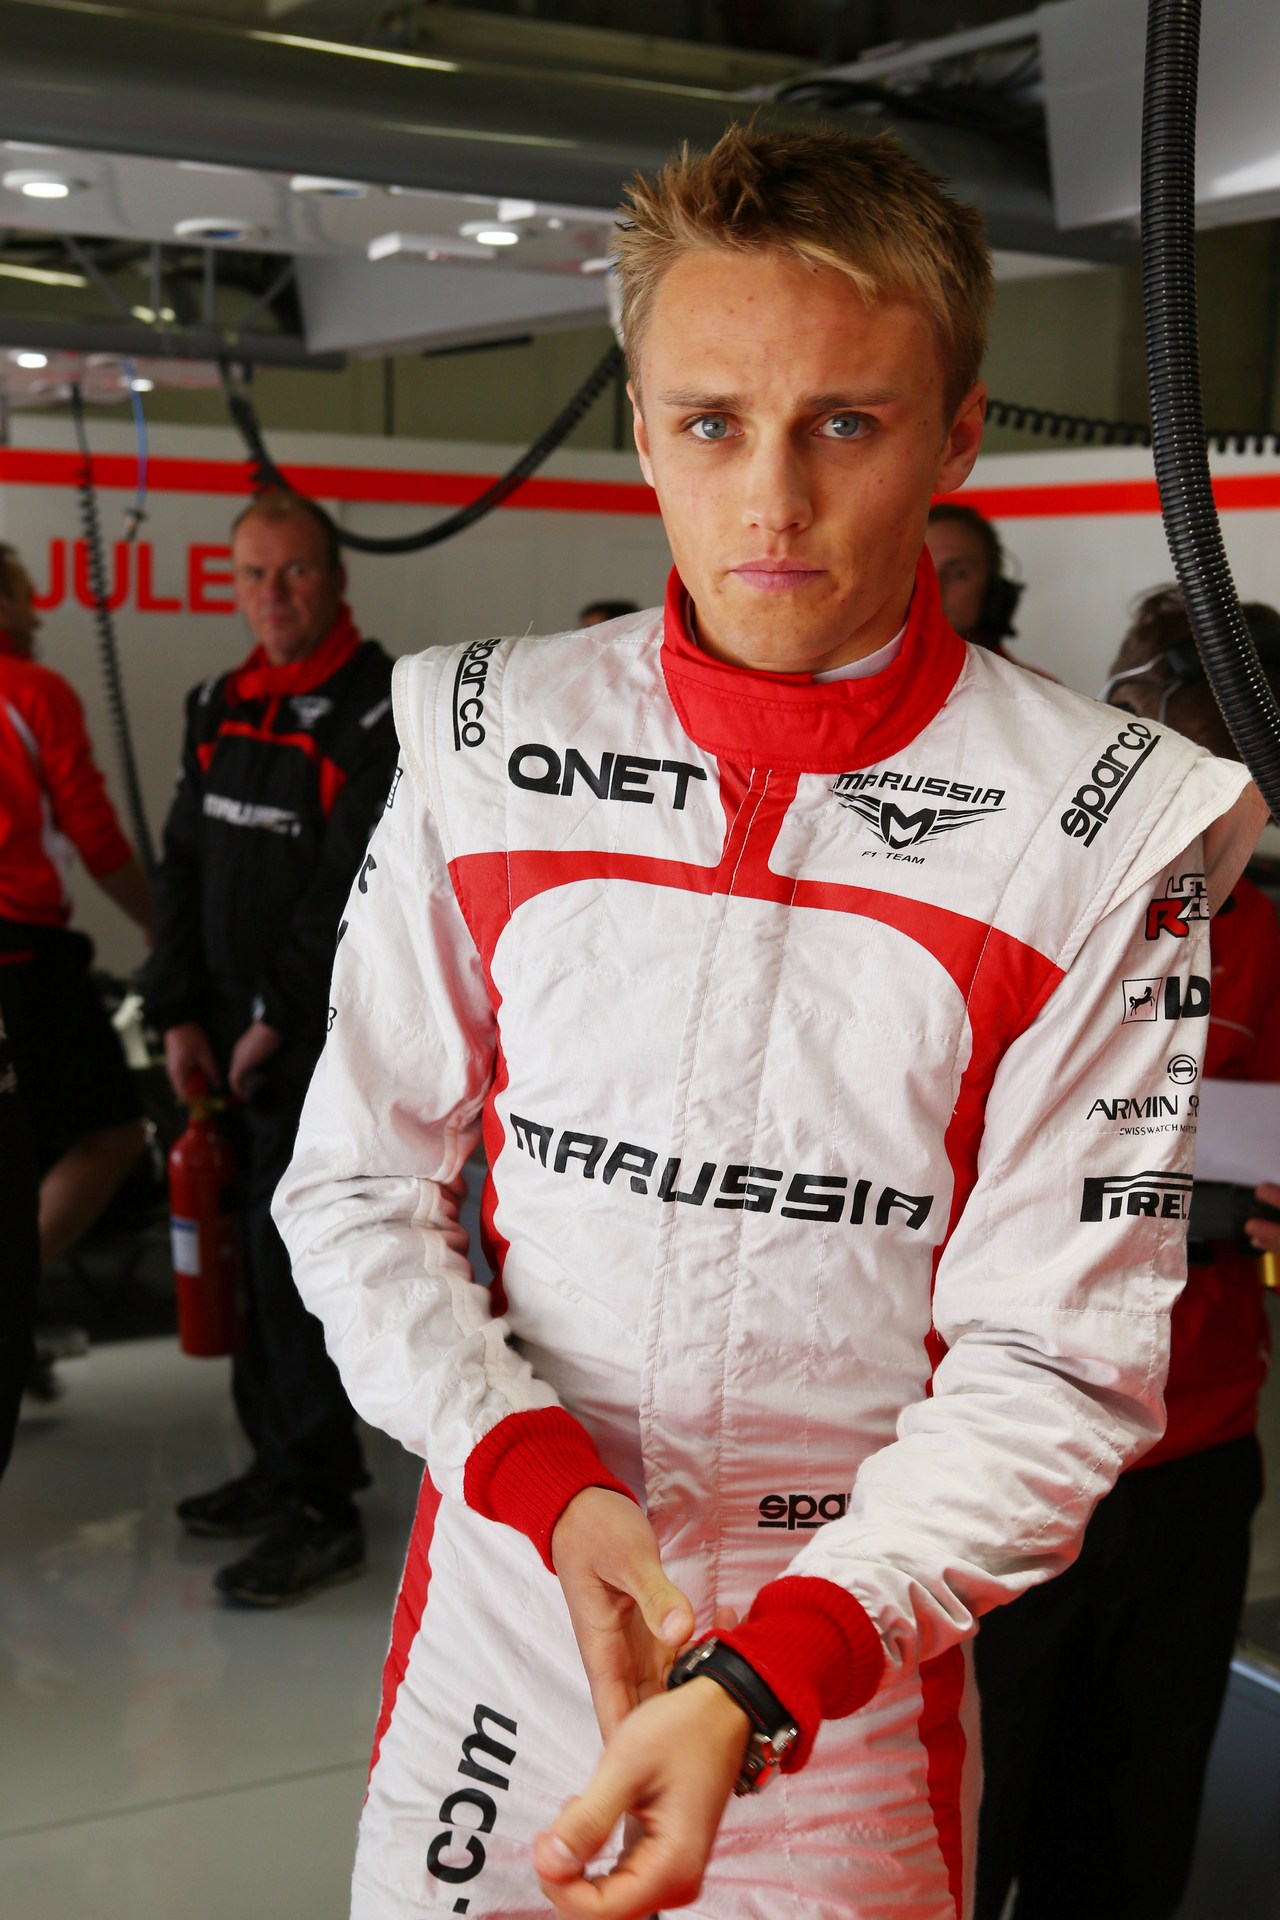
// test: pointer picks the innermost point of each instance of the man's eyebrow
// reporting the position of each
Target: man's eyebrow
(847, 402)
(705, 402)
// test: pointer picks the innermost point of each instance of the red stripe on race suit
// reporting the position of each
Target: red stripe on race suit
(410, 1603)
(942, 1682)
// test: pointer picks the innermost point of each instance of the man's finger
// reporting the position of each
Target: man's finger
(664, 1609)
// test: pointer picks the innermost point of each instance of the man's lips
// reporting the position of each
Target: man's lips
(776, 576)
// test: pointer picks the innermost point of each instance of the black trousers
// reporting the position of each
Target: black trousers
(19, 1251)
(1101, 1692)
(288, 1395)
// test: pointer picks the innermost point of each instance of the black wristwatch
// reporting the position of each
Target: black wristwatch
(773, 1731)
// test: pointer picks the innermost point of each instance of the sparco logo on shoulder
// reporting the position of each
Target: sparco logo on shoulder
(468, 693)
(899, 827)
(1096, 799)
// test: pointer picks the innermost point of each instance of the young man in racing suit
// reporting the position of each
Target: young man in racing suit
(776, 941)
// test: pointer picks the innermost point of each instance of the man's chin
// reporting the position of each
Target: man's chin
(777, 632)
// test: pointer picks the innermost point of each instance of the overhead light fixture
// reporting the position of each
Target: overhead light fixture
(429, 246)
(516, 210)
(30, 362)
(41, 276)
(487, 233)
(215, 229)
(321, 188)
(140, 384)
(39, 185)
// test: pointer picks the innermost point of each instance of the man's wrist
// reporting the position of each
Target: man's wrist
(771, 1731)
(527, 1470)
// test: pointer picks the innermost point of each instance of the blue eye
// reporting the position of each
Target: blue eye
(712, 426)
(844, 426)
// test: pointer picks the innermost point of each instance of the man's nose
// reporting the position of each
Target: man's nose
(777, 497)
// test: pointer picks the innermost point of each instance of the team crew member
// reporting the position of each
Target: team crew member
(82, 1111)
(776, 941)
(1101, 1691)
(285, 766)
(978, 598)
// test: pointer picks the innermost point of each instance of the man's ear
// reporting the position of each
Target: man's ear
(963, 442)
(641, 433)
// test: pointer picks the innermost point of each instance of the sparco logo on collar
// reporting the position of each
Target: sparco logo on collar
(468, 693)
(1096, 799)
(1163, 1196)
(898, 827)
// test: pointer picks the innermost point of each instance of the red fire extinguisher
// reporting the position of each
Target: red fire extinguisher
(205, 1229)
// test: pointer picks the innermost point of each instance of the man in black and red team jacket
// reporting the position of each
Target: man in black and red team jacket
(286, 764)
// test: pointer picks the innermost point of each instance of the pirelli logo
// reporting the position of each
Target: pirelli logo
(1151, 1196)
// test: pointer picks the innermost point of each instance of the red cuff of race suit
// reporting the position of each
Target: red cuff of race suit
(813, 1645)
(528, 1468)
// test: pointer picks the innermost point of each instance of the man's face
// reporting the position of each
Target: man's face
(285, 586)
(794, 436)
(18, 616)
(964, 571)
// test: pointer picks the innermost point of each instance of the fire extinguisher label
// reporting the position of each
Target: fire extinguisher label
(186, 1245)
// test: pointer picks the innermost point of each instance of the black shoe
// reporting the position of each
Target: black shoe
(307, 1551)
(242, 1507)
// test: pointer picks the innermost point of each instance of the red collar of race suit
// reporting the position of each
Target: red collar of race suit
(258, 679)
(796, 725)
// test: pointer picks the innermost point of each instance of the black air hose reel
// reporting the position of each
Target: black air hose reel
(1173, 375)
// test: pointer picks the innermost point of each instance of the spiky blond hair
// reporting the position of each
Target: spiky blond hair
(861, 206)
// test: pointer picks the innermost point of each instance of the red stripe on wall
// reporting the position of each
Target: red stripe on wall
(394, 486)
(381, 486)
(1234, 492)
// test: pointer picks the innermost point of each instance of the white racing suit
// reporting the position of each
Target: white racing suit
(805, 1024)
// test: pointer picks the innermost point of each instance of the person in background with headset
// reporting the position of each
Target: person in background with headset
(1101, 1690)
(978, 598)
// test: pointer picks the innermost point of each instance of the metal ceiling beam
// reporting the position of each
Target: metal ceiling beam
(168, 343)
(103, 78)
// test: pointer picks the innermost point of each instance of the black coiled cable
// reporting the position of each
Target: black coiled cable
(1173, 376)
(266, 474)
(108, 650)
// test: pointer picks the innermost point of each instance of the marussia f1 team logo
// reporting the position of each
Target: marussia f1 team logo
(899, 828)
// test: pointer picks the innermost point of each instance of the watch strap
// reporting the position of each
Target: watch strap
(773, 1730)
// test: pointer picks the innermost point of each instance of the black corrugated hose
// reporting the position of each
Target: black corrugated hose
(1173, 377)
(108, 651)
(267, 474)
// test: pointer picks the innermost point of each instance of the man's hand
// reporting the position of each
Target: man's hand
(1265, 1234)
(187, 1051)
(671, 1765)
(252, 1050)
(628, 1619)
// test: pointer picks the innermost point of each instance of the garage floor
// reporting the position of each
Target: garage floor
(162, 1755)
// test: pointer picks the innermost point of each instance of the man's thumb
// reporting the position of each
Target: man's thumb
(667, 1614)
(574, 1838)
